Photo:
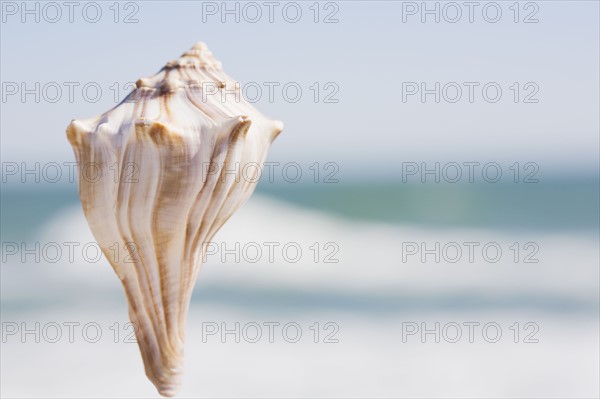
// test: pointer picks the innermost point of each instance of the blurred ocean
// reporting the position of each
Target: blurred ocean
(571, 202)
(360, 280)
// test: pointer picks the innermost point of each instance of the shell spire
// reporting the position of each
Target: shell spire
(156, 181)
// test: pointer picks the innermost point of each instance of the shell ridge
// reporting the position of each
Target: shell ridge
(236, 137)
(123, 205)
(221, 187)
(223, 151)
(143, 146)
(159, 381)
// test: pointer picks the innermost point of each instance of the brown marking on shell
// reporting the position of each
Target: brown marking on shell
(161, 135)
(74, 133)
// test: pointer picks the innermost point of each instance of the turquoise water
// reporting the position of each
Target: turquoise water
(558, 204)
(561, 204)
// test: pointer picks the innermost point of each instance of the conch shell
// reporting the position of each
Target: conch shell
(159, 175)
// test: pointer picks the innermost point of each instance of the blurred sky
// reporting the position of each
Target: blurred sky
(367, 54)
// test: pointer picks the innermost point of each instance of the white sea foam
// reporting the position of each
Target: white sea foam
(369, 256)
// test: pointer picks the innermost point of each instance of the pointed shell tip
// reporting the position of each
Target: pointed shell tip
(199, 46)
